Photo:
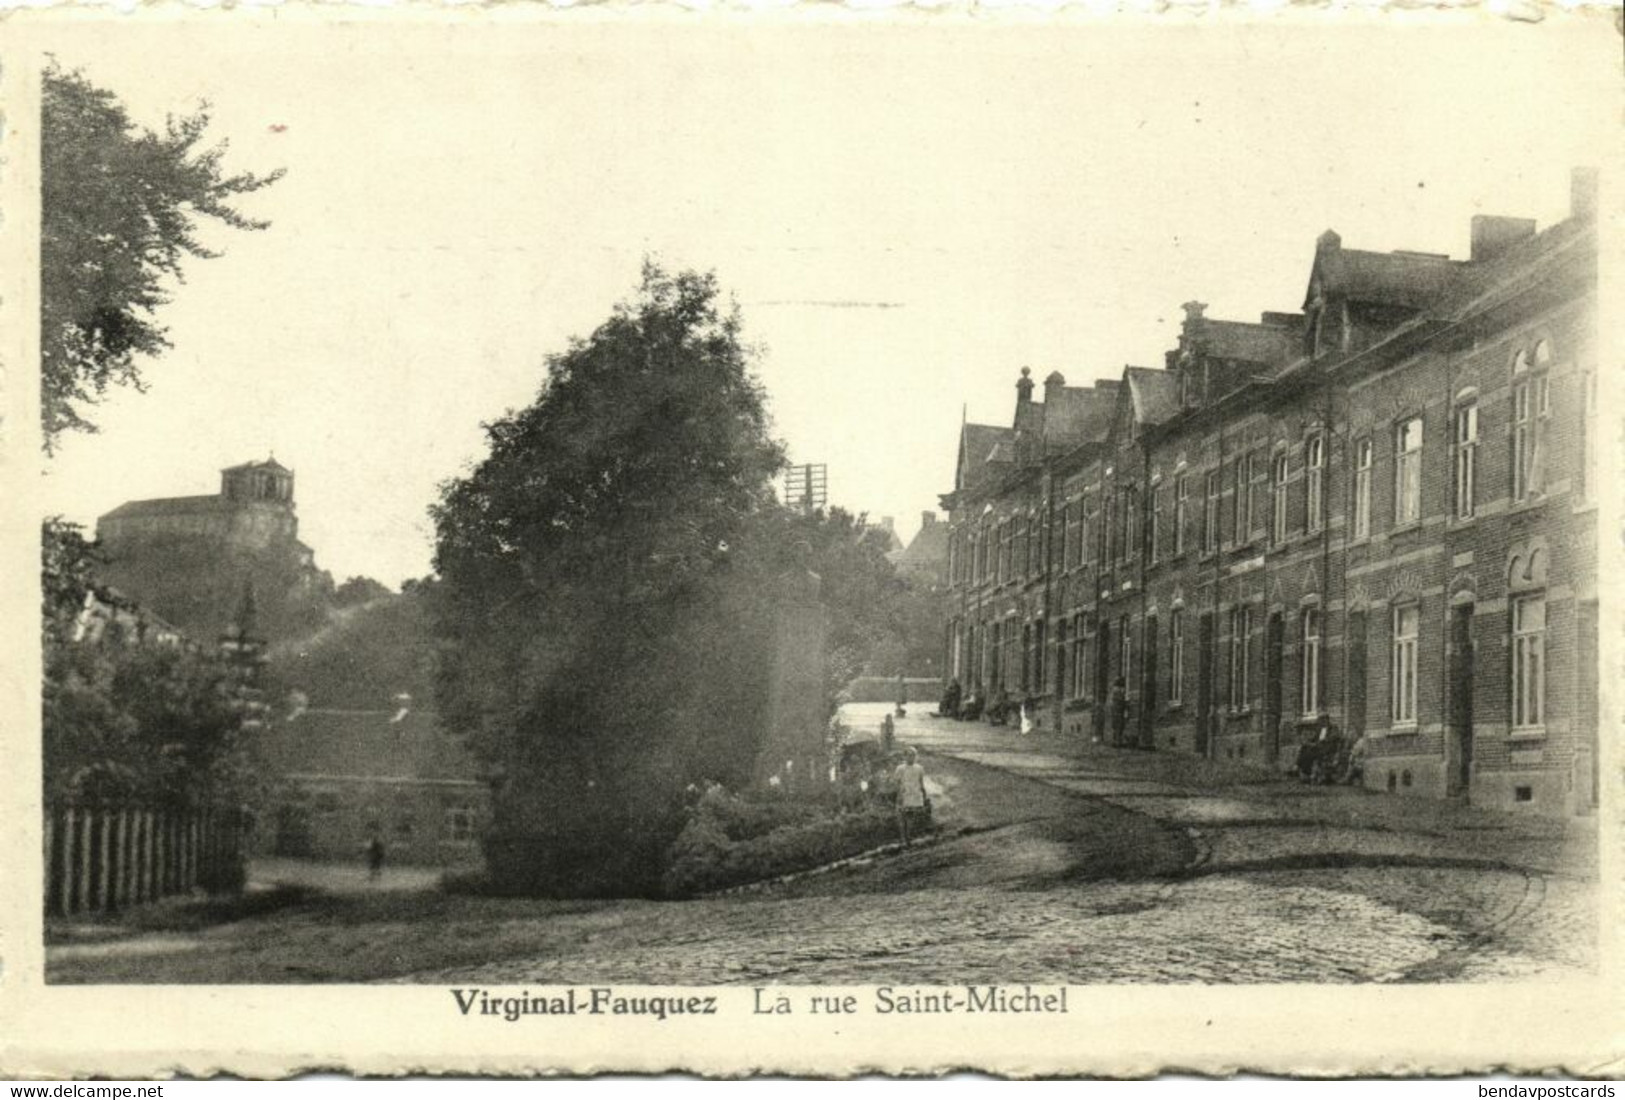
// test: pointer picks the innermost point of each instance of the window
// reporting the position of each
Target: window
(1066, 535)
(1531, 403)
(1040, 666)
(1108, 527)
(1182, 492)
(1314, 461)
(1362, 488)
(1176, 656)
(460, 822)
(1079, 653)
(1241, 628)
(1466, 439)
(1278, 471)
(1155, 549)
(1408, 471)
(1528, 662)
(1125, 660)
(1210, 514)
(1244, 498)
(1086, 527)
(1131, 524)
(1310, 686)
(1403, 685)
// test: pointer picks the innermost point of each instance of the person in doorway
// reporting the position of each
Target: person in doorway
(912, 805)
(949, 707)
(1119, 711)
(1029, 709)
(375, 858)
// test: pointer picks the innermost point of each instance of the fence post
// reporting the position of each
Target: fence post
(140, 863)
(50, 860)
(191, 851)
(149, 855)
(93, 859)
(127, 856)
(81, 885)
(112, 866)
(164, 845)
(211, 847)
(70, 821)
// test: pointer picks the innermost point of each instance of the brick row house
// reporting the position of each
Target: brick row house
(1378, 512)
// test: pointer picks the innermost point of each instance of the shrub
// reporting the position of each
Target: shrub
(707, 856)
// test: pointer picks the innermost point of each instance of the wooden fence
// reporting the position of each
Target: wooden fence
(107, 858)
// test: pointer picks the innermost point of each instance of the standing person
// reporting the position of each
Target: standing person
(902, 696)
(888, 733)
(1119, 710)
(909, 780)
(375, 858)
(1028, 707)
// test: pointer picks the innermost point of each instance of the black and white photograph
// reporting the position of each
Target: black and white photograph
(612, 519)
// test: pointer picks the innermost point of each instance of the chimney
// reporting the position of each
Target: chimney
(927, 519)
(1024, 386)
(1492, 236)
(1053, 386)
(1583, 193)
(1328, 241)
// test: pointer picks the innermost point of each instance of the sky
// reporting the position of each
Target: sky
(906, 215)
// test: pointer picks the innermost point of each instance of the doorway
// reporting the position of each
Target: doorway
(1461, 696)
(1273, 644)
(1204, 685)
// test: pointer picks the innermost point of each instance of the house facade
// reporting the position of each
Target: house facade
(1377, 511)
(340, 778)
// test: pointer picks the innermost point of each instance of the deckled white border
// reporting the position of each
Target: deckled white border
(1122, 1031)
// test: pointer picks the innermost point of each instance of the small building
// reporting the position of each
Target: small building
(343, 777)
(924, 561)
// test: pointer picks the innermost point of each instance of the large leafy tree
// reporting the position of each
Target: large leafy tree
(600, 630)
(120, 211)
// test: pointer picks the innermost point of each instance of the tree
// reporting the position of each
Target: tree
(364, 657)
(68, 564)
(129, 721)
(357, 591)
(120, 207)
(596, 622)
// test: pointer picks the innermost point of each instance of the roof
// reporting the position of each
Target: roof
(366, 744)
(269, 464)
(170, 506)
(978, 441)
(1154, 392)
(1414, 280)
(1077, 414)
(1246, 342)
(929, 547)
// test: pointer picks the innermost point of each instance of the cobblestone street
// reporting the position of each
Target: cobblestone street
(1054, 863)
